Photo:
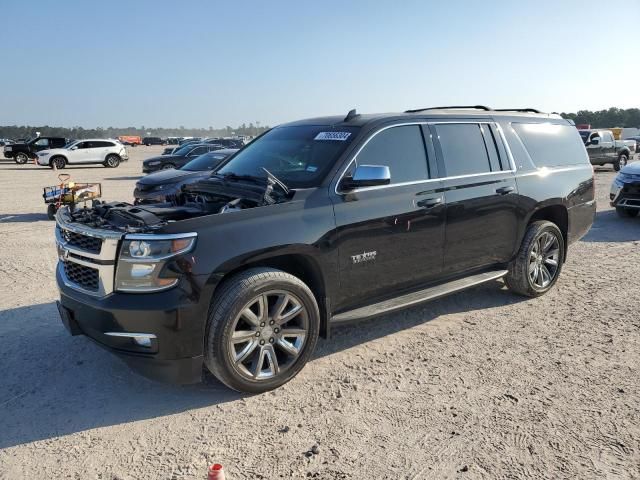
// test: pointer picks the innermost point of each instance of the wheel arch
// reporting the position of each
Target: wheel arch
(557, 214)
(300, 265)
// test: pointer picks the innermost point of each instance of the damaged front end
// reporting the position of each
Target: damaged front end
(216, 194)
(122, 247)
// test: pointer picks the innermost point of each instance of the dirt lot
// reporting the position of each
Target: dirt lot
(479, 384)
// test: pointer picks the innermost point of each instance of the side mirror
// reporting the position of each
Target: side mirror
(74, 148)
(594, 141)
(367, 176)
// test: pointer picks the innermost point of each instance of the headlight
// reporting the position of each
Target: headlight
(43, 154)
(156, 162)
(159, 187)
(142, 258)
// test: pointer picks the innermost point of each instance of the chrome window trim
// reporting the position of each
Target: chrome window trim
(428, 180)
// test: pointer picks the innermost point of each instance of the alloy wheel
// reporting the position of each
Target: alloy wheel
(268, 335)
(544, 260)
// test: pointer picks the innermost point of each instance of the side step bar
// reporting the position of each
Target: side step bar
(415, 298)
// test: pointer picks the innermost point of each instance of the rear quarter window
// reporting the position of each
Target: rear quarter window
(552, 145)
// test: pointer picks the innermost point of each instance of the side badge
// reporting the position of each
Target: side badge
(363, 257)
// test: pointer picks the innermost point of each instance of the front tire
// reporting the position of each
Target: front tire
(51, 211)
(112, 161)
(623, 159)
(21, 158)
(58, 163)
(262, 329)
(537, 266)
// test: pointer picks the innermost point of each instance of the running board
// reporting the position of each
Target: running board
(415, 298)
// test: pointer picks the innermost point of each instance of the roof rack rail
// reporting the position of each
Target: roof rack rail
(524, 110)
(452, 107)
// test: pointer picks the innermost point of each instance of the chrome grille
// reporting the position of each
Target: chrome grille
(85, 277)
(90, 244)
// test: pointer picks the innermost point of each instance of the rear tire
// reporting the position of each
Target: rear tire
(626, 212)
(623, 159)
(112, 161)
(58, 163)
(253, 311)
(21, 158)
(537, 266)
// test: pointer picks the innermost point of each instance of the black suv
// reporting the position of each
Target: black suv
(318, 223)
(22, 152)
(153, 141)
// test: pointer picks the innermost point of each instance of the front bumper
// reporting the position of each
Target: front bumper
(175, 329)
(625, 195)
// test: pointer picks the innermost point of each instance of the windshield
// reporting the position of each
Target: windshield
(299, 156)
(182, 151)
(208, 161)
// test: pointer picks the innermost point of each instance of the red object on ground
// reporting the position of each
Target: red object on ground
(216, 472)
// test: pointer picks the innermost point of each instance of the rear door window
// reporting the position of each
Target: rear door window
(551, 145)
(399, 148)
(464, 149)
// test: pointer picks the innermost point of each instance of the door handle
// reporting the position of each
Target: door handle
(429, 202)
(505, 190)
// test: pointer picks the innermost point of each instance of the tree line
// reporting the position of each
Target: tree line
(611, 117)
(27, 131)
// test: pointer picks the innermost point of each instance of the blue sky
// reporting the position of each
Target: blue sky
(208, 63)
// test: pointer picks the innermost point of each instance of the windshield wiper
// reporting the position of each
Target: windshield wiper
(275, 179)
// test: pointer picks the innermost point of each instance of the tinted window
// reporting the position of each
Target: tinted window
(43, 142)
(198, 151)
(101, 144)
(463, 149)
(208, 161)
(552, 145)
(399, 148)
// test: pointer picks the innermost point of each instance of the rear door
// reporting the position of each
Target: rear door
(482, 214)
(389, 237)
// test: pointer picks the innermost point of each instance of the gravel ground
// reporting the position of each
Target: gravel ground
(481, 384)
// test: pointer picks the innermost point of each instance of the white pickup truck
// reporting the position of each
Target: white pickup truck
(603, 148)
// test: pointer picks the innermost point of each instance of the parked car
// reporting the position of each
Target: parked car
(153, 141)
(5, 141)
(130, 140)
(22, 152)
(322, 222)
(625, 191)
(603, 148)
(637, 140)
(178, 158)
(107, 152)
(226, 142)
(165, 185)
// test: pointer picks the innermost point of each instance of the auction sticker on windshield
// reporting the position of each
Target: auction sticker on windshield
(335, 136)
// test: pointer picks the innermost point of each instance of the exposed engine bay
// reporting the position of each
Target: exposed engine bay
(217, 194)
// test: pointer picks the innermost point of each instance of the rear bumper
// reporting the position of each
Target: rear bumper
(174, 325)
